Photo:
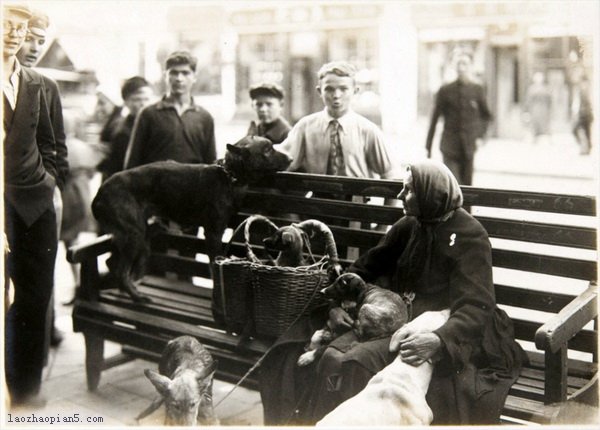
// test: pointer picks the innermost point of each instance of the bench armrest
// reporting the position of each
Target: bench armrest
(99, 246)
(561, 328)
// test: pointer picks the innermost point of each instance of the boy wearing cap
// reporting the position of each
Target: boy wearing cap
(30, 220)
(28, 55)
(267, 101)
(175, 128)
(337, 140)
(137, 94)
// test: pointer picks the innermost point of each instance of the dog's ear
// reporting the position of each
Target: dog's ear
(234, 149)
(287, 237)
(160, 382)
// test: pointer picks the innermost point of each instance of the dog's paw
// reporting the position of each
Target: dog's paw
(306, 358)
(143, 299)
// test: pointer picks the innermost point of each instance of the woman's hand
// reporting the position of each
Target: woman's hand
(415, 348)
(339, 320)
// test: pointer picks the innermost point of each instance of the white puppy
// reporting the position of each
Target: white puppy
(396, 395)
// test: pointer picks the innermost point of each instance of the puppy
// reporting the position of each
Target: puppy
(396, 395)
(289, 241)
(188, 194)
(184, 383)
(377, 313)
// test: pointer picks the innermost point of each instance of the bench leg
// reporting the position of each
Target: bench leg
(94, 360)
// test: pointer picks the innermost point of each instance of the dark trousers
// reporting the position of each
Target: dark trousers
(30, 266)
(461, 168)
(583, 133)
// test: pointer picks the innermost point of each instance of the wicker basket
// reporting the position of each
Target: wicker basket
(281, 295)
(232, 303)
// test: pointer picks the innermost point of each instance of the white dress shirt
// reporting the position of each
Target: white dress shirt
(365, 153)
(11, 85)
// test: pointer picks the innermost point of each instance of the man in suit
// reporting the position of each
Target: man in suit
(30, 221)
(466, 114)
(28, 55)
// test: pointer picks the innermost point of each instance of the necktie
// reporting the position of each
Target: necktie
(335, 165)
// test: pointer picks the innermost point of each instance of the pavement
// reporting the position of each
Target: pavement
(123, 391)
(552, 165)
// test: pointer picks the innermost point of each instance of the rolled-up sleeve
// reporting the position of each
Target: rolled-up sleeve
(377, 156)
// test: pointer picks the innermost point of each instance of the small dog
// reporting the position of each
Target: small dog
(376, 312)
(184, 383)
(188, 194)
(396, 395)
(290, 240)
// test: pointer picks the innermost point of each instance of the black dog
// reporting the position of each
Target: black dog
(188, 194)
(376, 312)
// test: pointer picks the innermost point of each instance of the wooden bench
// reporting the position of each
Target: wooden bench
(544, 255)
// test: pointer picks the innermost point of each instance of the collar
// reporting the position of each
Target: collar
(166, 104)
(344, 121)
(16, 73)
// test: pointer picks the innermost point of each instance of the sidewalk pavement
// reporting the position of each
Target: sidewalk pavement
(123, 392)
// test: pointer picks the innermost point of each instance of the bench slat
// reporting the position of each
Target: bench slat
(162, 263)
(159, 325)
(511, 199)
(550, 265)
(551, 234)
(584, 341)
(318, 207)
(531, 299)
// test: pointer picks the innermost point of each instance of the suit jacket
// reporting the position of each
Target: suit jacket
(56, 118)
(29, 150)
(466, 115)
(276, 132)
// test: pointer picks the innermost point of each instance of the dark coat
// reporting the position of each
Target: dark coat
(465, 113)
(480, 355)
(113, 162)
(276, 132)
(29, 150)
(58, 127)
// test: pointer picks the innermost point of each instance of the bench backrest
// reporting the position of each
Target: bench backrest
(544, 245)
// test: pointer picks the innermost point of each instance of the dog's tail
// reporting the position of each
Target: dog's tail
(153, 406)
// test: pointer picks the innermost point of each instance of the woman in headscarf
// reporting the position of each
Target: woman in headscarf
(437, 256)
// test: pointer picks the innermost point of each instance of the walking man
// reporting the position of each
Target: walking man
(466, 115)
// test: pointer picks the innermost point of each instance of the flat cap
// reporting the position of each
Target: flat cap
(38, 23)
(19, 9)
(266, 89)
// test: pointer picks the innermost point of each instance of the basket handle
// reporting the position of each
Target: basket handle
(247, 223)
(311, 226)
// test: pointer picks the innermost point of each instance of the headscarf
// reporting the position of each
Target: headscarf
(438, 195)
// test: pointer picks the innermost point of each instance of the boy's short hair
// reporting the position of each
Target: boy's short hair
(179, 58)
(132, 85)
(266, 89)
(339, 68)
